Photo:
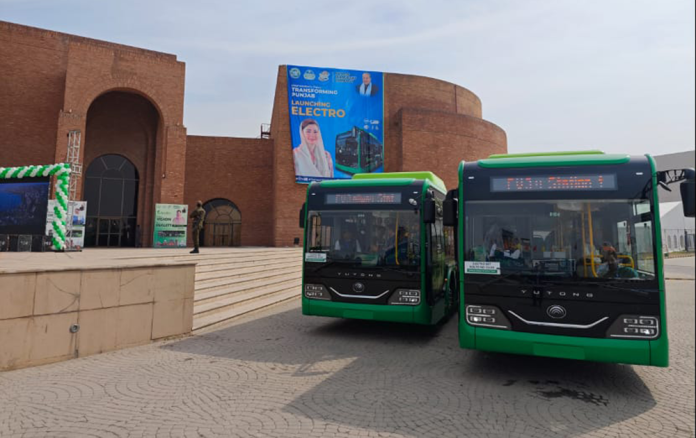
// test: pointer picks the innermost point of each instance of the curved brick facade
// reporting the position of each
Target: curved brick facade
(130, 101)
(429, 125)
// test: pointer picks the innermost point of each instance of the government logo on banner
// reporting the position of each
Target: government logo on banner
(336, 121)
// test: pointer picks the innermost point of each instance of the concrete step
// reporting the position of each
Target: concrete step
(233, 283)
(247, 280)
(228, 266)
(207, 259)
(251, 306)
(179, 254)
(204, 278)
(213, 294)
(221, 303)
(235, 263)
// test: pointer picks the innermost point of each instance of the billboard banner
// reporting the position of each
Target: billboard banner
(170, 226)
(336, 121)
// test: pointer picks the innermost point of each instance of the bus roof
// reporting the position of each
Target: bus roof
(549, 159)
(434, 179)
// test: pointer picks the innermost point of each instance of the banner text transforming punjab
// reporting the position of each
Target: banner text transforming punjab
(170, 226)
(336, 121)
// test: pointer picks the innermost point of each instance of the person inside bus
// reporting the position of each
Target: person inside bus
(612, 268)
(515, 249)
(378, 239)
(347, 245)
(311, 159)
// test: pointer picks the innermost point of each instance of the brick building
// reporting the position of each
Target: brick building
(128, 103)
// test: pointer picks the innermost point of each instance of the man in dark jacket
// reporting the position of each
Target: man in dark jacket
(198, 216)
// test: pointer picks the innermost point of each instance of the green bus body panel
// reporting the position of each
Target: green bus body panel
(427, 176)
(555, 160)
(562, 347)
(545, 154)
(659, 347)
(638, 352)
(420, 314)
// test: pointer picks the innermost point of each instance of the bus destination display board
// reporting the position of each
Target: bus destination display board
(552, 183)
(363, 198)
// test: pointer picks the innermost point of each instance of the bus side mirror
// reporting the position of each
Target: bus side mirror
(449, 207)
(302, 216)
(429, 211)
(449, 214)
(687, 194)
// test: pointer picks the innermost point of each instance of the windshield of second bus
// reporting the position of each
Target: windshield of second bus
(366, 238)
(598, 239)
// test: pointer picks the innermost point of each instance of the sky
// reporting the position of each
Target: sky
(614, 75)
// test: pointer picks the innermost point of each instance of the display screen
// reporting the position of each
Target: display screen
(23, 206)
(552, 183)
(363, 198)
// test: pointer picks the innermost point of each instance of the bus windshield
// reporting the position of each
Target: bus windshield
(366, 238)
(590, 239)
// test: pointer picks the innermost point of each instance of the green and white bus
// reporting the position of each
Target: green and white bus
(375, 249)
(358, 151)
(560, 255)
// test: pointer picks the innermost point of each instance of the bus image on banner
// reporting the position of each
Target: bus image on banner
(336, 122)
(560, 255)
(375, 248)
(358, 151)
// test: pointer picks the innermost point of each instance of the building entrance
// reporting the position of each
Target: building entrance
(111, 192)
(223, 224)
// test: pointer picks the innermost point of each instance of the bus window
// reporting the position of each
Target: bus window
(591, 239)
(370, 238)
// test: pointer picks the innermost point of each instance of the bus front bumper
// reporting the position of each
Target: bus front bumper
(637, 352)
(419, 314)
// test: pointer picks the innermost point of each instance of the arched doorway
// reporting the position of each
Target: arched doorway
(123, 124)
(223, 224)
(111, 192)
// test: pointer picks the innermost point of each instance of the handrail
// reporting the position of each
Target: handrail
(584, 244)
(626, 256)
(589, 220)
(396, 240)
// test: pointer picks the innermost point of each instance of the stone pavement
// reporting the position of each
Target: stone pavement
(680, 269)
(279, 374)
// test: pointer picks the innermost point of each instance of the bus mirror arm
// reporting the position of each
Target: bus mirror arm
(687, 177)
(302, 216)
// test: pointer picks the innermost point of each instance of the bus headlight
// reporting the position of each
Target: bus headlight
(486, 316)
(408, 297)
(316, 292)
(635, 327)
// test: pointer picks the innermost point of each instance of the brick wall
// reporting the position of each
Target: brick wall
(50, 81)
(237, 169)
(441, 140)
(32, 80)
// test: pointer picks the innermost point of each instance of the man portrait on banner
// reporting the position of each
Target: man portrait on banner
(367, 88)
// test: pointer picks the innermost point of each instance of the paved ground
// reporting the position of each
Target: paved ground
(279, 374)
(682, 268)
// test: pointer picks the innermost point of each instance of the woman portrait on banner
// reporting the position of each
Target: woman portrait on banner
(311, 159)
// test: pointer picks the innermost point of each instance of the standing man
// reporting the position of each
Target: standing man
(198, 216)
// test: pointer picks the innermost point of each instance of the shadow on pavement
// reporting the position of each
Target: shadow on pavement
(416, 381)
